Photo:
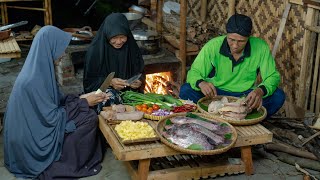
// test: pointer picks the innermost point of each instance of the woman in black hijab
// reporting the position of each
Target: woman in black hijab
(113, 50)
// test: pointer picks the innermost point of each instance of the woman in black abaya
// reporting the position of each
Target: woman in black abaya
(113, 50)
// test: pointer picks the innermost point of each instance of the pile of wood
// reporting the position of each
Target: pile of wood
(198, 32)
(295, 141)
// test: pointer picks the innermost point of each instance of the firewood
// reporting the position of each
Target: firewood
(290, 149)
(306, 163)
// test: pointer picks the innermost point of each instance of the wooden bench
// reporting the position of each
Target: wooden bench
(142, 159)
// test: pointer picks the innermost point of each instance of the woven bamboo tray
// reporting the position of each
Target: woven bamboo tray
(134, 141)
(161, 124)
(153, 117)
(158, 118)
(247, 121)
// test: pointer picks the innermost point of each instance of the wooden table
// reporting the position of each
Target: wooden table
(140, 159)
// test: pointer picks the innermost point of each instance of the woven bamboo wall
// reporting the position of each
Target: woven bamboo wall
(266, 16)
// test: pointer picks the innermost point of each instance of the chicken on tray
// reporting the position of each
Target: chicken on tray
(237, 110)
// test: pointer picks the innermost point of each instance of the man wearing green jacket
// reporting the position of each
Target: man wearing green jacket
(229, 65)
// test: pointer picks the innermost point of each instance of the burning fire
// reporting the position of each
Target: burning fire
(157, 83)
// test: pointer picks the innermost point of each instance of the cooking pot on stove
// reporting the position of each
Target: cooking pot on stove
(147, 40)
(80, 35)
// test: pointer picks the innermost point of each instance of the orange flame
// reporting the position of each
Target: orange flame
(157, 82)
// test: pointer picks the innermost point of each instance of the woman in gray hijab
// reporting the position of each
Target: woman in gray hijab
(48, 135)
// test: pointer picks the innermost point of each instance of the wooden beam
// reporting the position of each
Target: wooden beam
(299, 2)
(281, 28)
(183, 35)
(232, 7)
(304, 58)
(203, 10)
(159, 17)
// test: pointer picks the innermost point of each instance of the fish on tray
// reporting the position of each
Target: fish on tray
(187, 131)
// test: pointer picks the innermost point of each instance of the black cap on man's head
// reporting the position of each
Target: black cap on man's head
(240, 24)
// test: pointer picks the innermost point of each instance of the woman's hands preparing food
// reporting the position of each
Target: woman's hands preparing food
(94, 99)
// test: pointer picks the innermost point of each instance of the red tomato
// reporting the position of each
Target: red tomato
(138, 107)
(155, 107)
(149, 111)
(144, 106)
(144, 110)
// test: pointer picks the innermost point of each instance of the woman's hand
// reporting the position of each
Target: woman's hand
(254, 99)
(136, 84)
(119, 84)
(94, 99)
(208, 89)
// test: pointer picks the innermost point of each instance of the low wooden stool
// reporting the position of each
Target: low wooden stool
(140, 159)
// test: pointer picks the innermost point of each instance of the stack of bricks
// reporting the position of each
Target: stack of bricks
(65, 71)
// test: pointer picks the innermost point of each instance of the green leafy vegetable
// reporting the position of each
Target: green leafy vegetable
(168, 122)
(228, 136)
(204, 107)
(254, 114)
(195, 147)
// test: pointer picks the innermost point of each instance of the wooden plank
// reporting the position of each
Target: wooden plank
(304, 58)
(310, 58)
(315, 81)
(281, 28)
(299, 2)
(195, 172)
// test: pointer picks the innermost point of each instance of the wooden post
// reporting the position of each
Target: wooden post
(232, 7)
(50, 12)
(5, 9)
(153, 10)
(159, 17)
(183, 37)
(143, 169)
(246, 156)
(203, 10)
(2, 14)
(304, 58)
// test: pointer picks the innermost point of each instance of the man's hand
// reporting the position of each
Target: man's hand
(94, 99)
(119, 84)
(208, 89)
(136, 84)
(254, 99)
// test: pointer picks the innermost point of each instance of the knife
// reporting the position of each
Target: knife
(106, 83)
(10, 26)
(133, 79)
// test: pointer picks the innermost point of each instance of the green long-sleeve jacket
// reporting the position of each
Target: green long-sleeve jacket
(213, 64)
